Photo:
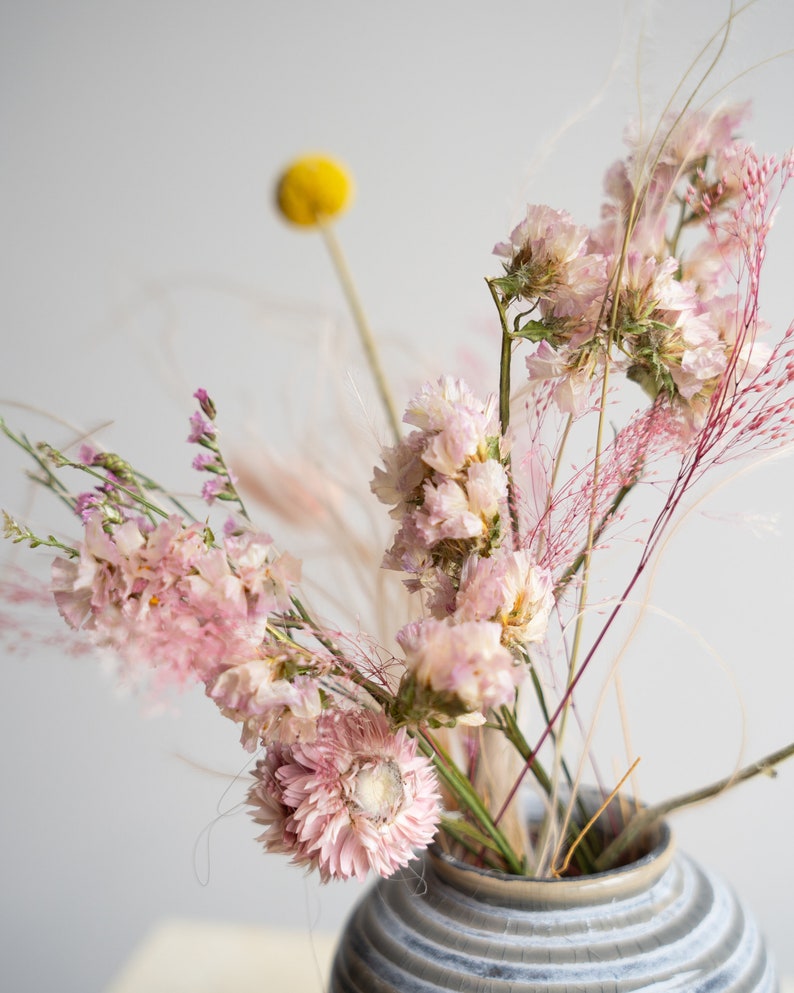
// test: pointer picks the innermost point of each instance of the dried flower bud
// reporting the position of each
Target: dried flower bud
(313, 188)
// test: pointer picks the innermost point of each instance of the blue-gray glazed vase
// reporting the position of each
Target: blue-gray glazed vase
(661, 924)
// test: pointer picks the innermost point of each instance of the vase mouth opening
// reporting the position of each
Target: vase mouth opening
(646, 860)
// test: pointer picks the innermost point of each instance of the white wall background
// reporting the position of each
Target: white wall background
(141, 258)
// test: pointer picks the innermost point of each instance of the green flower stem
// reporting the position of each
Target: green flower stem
(464, 791)
(509, 727)
(649, 815)
(583, 813)
(135, 495)
(231, 493)
(470, 838)
(18, 533)
(365, 334)
(50, 480)
(504, 398)
(584, 855)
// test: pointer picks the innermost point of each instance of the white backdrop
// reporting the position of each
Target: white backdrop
(142, 258)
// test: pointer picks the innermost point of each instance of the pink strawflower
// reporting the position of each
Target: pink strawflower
(465, 663)
(574, 382)
(357, 798)
(446, 515)
(446, 483)
(545, 240)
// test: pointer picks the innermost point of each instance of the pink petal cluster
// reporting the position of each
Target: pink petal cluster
(269, 704)
(556, 263)
(464, 662)
(661, 323)
(357, 798)
(509, 589)
(165, 600)
(445, 481)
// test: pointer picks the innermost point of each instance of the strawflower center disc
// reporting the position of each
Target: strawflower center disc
(378, 792)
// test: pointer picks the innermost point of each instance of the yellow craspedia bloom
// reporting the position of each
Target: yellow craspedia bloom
(312, 189)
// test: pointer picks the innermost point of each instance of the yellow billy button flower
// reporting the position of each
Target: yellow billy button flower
(312, 189)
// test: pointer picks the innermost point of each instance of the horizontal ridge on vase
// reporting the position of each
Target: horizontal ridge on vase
(661, 924)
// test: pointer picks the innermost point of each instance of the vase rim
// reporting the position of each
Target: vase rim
(595, 887)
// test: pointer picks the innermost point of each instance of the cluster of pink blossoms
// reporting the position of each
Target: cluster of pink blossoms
(167, 599)
(340, 784)
(340, 789)
(448, 487)
(666, 317)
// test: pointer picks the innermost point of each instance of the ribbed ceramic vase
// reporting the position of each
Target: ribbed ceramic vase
(661, 924)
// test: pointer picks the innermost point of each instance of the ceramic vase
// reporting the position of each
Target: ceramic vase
(661, 924)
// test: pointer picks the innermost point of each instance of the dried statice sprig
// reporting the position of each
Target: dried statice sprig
(222, 484)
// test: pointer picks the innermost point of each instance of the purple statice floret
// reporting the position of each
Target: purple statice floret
(202, 460)
(205, 402)
(201, 428)
(87, 454)
(213, 488)
(86, 504)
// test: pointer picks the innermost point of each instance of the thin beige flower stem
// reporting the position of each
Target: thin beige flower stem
(592, 529)
(625, 727)
(649, 815)
(583, 833)
(50, 481)
(571, 571)
(558, 456)
(464, 791)
(362, 326)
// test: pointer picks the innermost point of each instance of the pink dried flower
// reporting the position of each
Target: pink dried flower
(86, 454)
(465, 663)
(201, 429)
(509, 589)
(87, 504)
(204, 459)
(357, 798)
(270, 707)
(164, 600)
(213, 488)
(206, 404)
